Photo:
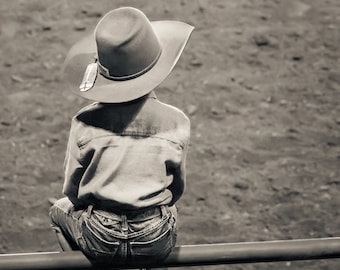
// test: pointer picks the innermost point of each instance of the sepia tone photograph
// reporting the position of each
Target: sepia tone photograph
(199, 134)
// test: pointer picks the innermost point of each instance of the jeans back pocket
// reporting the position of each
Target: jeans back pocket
(100, 245)
(154, 246)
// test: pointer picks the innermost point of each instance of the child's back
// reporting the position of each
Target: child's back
(132, 154)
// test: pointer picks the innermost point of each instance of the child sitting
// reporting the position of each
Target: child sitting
(126, 154)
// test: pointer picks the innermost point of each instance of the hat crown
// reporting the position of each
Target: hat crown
(127, 45)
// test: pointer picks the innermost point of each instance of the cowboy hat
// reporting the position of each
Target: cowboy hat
(126, 57)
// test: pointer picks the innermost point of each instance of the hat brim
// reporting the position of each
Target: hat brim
(173, 36)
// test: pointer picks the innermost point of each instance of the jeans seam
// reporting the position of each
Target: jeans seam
(145, 231)
(97, 224)
(151, 228)
(153, 240)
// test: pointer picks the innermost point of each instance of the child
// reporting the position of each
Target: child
(125, 160)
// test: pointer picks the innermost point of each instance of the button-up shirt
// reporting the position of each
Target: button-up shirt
(129, 155)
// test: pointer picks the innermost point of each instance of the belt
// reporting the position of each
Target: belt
(129, 213)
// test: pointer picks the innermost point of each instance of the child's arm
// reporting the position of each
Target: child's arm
(74, 170)
(179, 181)
(179, 170)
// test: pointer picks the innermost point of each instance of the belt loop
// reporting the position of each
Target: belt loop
(89, 210)
(164, 210)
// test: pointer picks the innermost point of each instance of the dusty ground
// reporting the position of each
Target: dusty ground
(260, 81)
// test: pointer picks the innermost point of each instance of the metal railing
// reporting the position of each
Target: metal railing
(190, 255)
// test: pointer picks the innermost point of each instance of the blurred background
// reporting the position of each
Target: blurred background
(260, 81)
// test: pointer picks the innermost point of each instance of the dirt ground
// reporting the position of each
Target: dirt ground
(260, 80)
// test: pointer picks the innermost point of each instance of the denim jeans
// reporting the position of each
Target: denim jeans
(131, 238)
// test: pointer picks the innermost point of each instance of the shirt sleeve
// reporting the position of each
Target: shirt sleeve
(179, 172)
(72, 166)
